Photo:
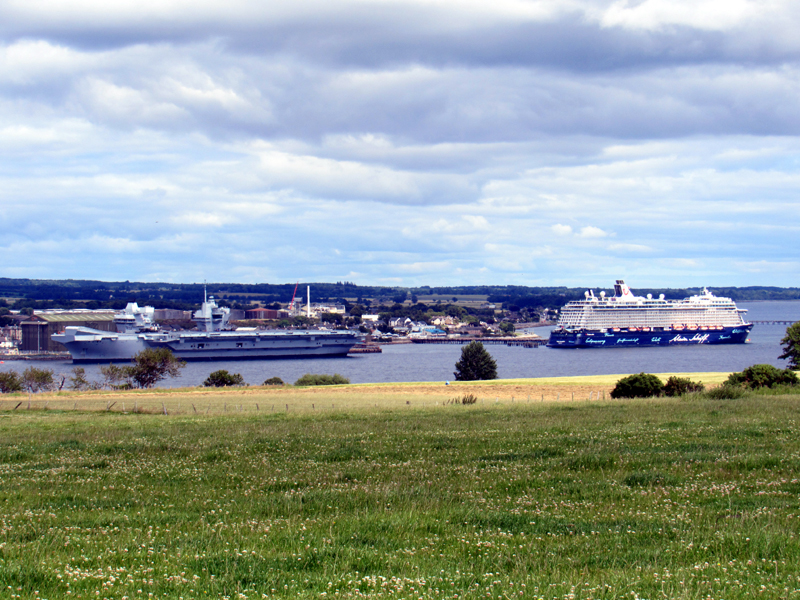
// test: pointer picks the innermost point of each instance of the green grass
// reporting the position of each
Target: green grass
(670, 498)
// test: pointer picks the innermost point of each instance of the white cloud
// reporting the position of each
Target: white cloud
(700, 14)
(559, 229)
(630, 248)
(426, 141)
(592, 232)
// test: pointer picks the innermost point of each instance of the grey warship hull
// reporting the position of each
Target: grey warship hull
(92, 346)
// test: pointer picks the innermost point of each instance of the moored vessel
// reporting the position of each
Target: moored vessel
(214, 339)
(626, 320)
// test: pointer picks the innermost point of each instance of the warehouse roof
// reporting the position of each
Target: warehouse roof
(73, 316)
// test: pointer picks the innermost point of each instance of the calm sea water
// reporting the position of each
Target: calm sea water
(415, 362)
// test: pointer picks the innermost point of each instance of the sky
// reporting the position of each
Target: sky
(401, 142)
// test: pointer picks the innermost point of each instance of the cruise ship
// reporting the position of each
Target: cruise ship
(626, 320)
(213, 340)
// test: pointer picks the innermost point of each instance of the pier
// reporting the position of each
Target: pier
(773, 322)
(506, 341)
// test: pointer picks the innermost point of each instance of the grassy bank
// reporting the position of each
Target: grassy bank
(656, 498)
(369, 396)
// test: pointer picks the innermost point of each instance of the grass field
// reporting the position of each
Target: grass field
(271, 399)
(662, 498)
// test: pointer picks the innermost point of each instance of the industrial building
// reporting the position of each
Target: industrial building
(37, 330)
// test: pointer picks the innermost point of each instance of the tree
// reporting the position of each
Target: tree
(643, 385)
(791, 348)
(475, 363)
(507, 327)
(222, 378)
(115, 377)
(10, 382)
(152, 365)
(78, 381)
(37, 380)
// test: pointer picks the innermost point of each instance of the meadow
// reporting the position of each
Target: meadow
(658, 498)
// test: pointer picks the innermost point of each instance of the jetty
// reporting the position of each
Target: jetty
(524, 342)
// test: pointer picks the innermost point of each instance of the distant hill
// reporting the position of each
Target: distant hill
(46, 293)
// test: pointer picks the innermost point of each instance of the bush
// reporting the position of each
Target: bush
(314, 379)
(38, 380)
(10, 382)
(762, 376)
(475, 364)
(725, 392)
(680, 386)
(643, 385)
(274, 381)
(222, 378)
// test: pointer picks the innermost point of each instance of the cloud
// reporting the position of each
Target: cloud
(716, 15)
(561, 229)
(590, 232)
(425, 141)
(630, 248)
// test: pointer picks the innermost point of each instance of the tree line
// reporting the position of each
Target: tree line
(39, 294)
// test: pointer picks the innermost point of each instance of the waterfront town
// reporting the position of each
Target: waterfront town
(27, 334)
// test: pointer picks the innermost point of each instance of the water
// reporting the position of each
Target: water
(416, 362)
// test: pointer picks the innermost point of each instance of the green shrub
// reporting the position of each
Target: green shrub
(763, 376)
(643, 385)
(680, 386)
(10, 382)
(315, 379)
(725, 392)
(222, 378)
(274, 381)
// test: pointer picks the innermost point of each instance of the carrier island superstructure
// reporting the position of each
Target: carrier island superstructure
(213, 340)
(626, 320)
